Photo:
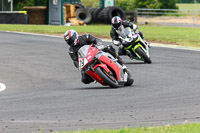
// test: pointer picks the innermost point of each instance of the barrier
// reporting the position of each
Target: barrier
(13, 17)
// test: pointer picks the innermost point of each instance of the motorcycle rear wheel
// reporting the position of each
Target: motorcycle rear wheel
(143, 55)
(105, 78)
(130, 80)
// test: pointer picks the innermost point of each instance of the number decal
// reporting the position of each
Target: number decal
(82, 62)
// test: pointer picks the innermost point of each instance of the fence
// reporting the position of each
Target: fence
(171, 17)
(6, 5)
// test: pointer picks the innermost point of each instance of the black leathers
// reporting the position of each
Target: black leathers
(85, 39)
(88, 39)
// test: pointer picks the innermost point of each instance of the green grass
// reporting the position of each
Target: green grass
(189, 6)
(100, 30)
(176, 35)
(185, 128)
(90, 3)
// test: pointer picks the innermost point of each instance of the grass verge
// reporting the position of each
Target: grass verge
(175, 35)
(185, 128)
(191, 6)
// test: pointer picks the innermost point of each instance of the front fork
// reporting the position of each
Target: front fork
(146, 49)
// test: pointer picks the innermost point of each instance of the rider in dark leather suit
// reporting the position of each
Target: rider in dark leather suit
(117, 25)
(76, 42)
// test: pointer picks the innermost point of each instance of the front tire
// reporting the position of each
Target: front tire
(105, 78)
(143, 55)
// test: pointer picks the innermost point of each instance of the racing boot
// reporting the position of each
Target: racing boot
(121, 62)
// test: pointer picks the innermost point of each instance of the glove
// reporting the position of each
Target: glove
(117, 43)
(135, 28)
(99, 42)
(100, 45)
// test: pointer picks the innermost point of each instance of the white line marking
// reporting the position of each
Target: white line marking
(2, 87)
(26, 33)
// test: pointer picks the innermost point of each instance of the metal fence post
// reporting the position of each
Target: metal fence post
(135, 15)
(2, 5)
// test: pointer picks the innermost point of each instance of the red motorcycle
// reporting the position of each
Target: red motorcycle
(103, 67)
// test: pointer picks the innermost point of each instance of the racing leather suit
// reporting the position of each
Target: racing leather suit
(88, 39)
(115, 36)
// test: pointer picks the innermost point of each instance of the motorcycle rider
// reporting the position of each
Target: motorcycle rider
(117, 26)
(76, 42)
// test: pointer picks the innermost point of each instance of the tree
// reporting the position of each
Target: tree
(168, 4)
(19, 4)
(126, 5)
(146, 4)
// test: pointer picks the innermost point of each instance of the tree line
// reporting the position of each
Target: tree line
(19, 4)
(127, 5)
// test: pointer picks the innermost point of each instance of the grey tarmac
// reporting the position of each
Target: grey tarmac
(44, 91)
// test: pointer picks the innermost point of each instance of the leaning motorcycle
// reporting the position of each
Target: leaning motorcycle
(103, 67)
(134, 45)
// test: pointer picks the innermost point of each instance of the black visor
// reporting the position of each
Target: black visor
(72, 39)
(116, 26)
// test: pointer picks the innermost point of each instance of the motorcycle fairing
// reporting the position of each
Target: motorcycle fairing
(114, 65)
(86, 54)
(95, 77)
(111, 64)
(102, 66)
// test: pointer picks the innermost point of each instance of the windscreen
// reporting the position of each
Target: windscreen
(82, 52)
(125, 32)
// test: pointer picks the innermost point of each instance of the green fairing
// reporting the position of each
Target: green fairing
(132, 45)
(137, 39)
(128, 47)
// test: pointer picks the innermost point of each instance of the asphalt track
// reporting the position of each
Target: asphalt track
(44, 91)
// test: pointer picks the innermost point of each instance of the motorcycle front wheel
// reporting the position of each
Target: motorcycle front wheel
(106, 78)
(143, 55)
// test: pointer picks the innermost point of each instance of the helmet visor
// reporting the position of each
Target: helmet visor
(72, 40)
(116, 26)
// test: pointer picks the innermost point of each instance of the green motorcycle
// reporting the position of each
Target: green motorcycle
(134, 45)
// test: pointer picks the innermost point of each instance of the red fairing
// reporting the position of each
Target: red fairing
(91, 53)
(95, 77)
(102, 66)
(111, 64)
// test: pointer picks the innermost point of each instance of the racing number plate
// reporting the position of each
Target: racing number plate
(82, 62)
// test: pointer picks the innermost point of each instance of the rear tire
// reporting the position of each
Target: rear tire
(105, 78)
(130, 80)
(143, 55)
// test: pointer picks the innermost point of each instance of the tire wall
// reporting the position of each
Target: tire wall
(84, 15)
(100, 15)
(109, 12)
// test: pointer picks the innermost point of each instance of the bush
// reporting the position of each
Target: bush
(157, 4)
(130, 5)
(127, 5)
